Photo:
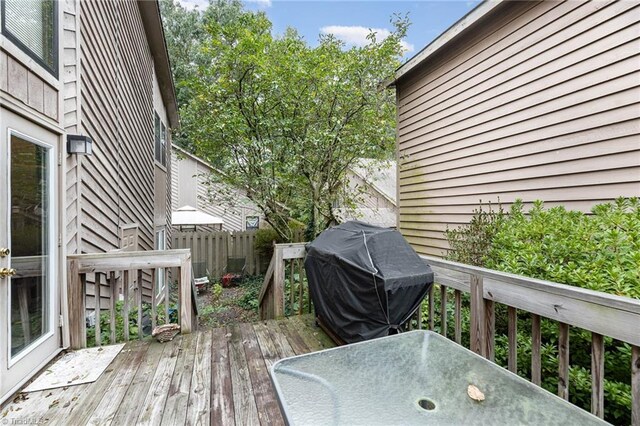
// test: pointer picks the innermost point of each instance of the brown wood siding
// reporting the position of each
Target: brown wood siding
(539, 100)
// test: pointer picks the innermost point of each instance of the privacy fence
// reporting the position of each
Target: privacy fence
(216, 253)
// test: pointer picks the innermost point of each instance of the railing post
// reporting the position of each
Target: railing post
(478, 324)
(278, 283)
(184, 288)
(75, 295)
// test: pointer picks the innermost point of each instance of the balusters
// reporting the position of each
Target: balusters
(458, 316)
(166, 296)
(512, 336)
(478, 333)
(443, 310)
(597, 375)
(301, 288)
(292, 281)
(96, 308)
(113, 299)
(490, 328)
(153, 299)
(431, 306)
(139, 300)
(635, 385)
(125, 305)
(536, 340)
(563, 360)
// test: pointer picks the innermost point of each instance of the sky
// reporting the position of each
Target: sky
(350, 21)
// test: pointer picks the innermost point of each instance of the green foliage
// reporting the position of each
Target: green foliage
(600, 251)
(470, 243)
(216, 291)
(264, 240)
(105, 322)
(252, 286)
(284, 119)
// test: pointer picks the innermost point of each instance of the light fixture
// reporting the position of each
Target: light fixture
(187, 228)
(78, 144)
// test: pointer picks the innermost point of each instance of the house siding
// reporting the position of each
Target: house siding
(190, 186)
(116, 185)
(538, 100)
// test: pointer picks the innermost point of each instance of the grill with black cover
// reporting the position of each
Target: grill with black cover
(365, 281)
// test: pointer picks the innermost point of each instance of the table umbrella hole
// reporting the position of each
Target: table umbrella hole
(426, 404)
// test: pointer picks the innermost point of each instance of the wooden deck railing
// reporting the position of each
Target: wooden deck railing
(286, 258)
(123, 272)
(600, 313)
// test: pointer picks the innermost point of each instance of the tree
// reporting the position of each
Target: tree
(286, 120)
(185, 35)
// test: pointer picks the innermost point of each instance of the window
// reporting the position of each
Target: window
(161, 141)
(161, 244)
(32, 26)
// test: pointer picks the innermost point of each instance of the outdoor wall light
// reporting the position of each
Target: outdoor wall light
(78, 144)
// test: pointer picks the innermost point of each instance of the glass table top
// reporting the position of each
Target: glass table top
(418, 377)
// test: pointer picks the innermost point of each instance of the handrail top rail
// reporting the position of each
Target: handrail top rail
(128, 260)
(587, 295)
(130, 254)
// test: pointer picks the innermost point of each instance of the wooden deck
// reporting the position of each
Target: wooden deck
(212, 377)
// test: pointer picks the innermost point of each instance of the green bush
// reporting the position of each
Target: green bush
(600, 251)
(263, 242)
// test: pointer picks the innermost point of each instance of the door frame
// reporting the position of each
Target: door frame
(14, 122)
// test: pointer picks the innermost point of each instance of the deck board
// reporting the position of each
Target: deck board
(175, 411)
(210, 377)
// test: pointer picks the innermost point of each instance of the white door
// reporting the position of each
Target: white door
(29, 258)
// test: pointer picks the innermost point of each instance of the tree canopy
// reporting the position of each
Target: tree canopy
(283, 119)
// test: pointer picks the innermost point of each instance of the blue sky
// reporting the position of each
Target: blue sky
(350, 20)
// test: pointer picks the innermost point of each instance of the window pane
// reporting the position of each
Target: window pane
(32, 22)
(163, 143)
(157, 139)
(30, 244)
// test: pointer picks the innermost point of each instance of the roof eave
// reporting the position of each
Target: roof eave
(453, 32)
(152, 22)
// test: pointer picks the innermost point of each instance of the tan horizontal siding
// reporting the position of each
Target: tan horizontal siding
(116, 183)
(540, 101)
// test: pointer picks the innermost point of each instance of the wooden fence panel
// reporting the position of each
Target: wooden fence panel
(213, 248)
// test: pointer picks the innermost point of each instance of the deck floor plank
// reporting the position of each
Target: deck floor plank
(222, 410)
(280, 341)
(103, 400)
(295, 339)
(88, 401)
(153, 406)
(175, 411)
(263, 392)
(127, 403)
(244, 404)
(200, 393)
(267, 346)
(211, 377)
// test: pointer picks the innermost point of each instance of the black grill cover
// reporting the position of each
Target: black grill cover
(365, 281)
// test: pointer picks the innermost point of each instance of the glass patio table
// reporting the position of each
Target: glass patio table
(418, 377)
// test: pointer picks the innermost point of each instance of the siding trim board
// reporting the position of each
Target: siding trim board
(542, 101)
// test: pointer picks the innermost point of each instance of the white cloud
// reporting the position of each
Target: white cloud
(192, 4)
(357, 35)
(263, 4)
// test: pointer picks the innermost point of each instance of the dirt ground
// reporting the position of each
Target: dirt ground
(235, 305)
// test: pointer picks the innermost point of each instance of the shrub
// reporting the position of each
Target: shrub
(600, 252)
(264, 242)
(470, 243)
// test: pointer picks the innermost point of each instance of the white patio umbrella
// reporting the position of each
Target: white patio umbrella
(188, 216)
